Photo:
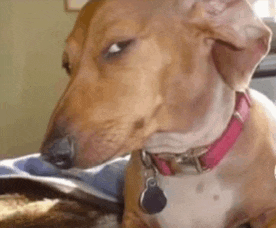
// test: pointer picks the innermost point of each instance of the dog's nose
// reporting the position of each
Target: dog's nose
(60, 153)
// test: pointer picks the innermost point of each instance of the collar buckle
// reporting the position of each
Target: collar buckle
(191, 160)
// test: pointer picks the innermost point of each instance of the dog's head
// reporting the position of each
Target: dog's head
(137, 67)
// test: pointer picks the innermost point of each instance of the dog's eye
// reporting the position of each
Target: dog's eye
(66, 63)
(117, 48)
(67, 67)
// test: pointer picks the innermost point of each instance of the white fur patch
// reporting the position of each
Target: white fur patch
(195, 201)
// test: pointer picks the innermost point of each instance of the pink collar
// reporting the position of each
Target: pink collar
(217, 150)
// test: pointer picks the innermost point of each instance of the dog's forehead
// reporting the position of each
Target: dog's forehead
(105, 11)
(101, 17)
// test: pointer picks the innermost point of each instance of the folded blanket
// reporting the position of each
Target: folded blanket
(104, 182)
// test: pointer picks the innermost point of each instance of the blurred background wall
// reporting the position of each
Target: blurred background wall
(32, 35)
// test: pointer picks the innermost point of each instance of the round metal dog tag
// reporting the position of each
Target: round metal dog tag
(153, 199)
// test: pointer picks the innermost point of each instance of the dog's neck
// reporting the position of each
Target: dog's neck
(208, 130)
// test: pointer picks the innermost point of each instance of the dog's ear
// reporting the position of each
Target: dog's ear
(241, 38)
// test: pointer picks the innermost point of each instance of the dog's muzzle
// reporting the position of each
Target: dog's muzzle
(60, 153)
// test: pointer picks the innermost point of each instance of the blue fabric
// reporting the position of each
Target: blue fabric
(105, 181)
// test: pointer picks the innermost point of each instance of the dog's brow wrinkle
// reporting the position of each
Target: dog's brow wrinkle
(139, 124)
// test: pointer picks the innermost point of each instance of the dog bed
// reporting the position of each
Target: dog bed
(34, 193)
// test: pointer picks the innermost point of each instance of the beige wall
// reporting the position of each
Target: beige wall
(32, 35)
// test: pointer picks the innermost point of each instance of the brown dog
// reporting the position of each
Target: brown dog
(163, 76)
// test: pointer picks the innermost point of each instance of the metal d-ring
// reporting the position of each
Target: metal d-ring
(146, 159)
(148, 163)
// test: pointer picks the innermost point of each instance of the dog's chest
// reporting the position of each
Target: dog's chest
(195, 201)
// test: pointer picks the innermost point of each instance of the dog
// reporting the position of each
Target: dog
(168, 80)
